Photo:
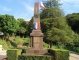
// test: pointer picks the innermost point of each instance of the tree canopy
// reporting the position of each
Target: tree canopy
(52, 9)
(22, 27)
(54, 25)
(73, 21)
(8, 24)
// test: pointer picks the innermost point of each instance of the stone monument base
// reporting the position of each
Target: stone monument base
(34, 51)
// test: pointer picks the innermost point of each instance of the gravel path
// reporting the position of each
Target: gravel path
(74, 56)
(2, 54)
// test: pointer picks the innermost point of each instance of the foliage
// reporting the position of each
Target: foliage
(8, 24)
(73, 48)
(53, 25)
(45, 45)
(13, 54)
(52, 9)
(57, 31)
(22, 26)
(59, 54)
(24, 50)
(52, 3)
(76, 40)
(13, 42)
(30, 26)
(4, 44)
(76, 49)
(35, 57)
(73, 21)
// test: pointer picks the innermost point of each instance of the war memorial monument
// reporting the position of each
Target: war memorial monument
(36, 51)
(36, 43)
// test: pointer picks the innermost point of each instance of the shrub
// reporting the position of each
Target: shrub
(13, 54)
(45, 45)
(35, 57)
(60, 54)
(23, 50)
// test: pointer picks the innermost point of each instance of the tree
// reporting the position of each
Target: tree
(8, 24)
(30, 26)
(52, 9)
(57, 31)
(49, 20)
(22, 29)
(73, 21)
(76, 40)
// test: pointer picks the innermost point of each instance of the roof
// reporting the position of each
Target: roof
(27, 22)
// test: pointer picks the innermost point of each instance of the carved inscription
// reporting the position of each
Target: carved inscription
(36, 39)
(36, 46)
(36, 42)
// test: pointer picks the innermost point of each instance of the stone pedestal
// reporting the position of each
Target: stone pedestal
(36, 43)
(33, 51)
(36, 39)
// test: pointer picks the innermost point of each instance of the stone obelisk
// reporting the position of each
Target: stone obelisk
(36, 43)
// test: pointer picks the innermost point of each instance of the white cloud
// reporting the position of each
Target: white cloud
(27, 12)
(29, 1)
(28, 7)
(70, 6)
(77, 5)
(74, 3)
(8, 0)
(6, 9)
(23, 15)
(69, 1)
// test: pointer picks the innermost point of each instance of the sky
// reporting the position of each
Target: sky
(25, 8)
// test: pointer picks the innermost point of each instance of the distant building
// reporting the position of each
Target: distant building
(27, 22)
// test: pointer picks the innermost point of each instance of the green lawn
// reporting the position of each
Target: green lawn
(13, 42)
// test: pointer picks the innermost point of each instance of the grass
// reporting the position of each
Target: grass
(4, 44)
(12, 42)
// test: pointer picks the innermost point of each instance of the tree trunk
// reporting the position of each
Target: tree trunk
(50, 45)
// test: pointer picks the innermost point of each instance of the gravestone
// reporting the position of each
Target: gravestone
(36, 43)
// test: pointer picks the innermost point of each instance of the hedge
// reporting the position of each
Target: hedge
(55, 55)
(35, 57)
(13, 54)
(60, 54)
